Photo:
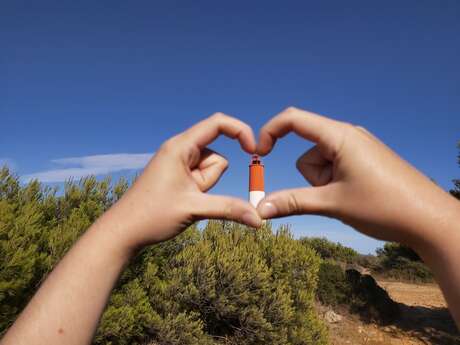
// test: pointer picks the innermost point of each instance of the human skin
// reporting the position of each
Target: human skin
(167, 197)
(357, 179)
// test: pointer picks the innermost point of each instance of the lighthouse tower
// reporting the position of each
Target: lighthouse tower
(256, 181)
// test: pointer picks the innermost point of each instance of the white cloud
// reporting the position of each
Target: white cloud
(77, 167)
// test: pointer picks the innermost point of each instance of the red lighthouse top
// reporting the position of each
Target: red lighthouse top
(256, 174)
(256, 160)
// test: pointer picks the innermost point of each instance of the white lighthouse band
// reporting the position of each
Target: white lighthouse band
(255, 196)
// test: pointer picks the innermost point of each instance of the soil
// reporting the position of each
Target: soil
(424, 319)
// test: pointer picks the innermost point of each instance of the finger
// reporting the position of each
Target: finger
(206, 131)
(210, 167)
(314, 167)
(288, 202)
(223, 207)
(325, 132)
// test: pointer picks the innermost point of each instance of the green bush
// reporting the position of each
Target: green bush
(393, 251)
(333, 287)
(400, 262)
(330, 250)
(225, 284)
(246, 287)
(359, 293)
(368, 261)
(407, 270)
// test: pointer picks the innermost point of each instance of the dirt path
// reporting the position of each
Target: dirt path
(423, 295)
(424, 320)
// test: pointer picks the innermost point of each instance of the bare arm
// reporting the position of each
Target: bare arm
(360, 181)
(166, 198)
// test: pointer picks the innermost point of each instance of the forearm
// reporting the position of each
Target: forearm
(439, 250)
(69, 304)
(67, 307)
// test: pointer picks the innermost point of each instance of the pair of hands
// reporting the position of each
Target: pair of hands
(354, 177)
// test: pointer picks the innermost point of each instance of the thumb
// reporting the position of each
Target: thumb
(311, 200)
(224, 207)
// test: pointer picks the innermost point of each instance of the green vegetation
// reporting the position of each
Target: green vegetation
(330, 250)
(358, 293)
(400, 262)
(333, 287)
(225, 284)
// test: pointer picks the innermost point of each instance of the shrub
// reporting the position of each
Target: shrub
(245, 287)
(226, 284)
(400, 262)
(407, 270)
(358, 292)
(330, 250)
(368, 261)
(333, 287)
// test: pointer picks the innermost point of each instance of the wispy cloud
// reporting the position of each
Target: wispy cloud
(77, 167)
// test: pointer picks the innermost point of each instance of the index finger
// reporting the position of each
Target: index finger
(206, 131)
(325, 132)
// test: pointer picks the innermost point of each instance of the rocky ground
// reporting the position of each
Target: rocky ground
(424, 320)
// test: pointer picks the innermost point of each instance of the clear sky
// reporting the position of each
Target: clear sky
(105, 78)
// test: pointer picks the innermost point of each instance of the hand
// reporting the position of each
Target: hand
(356, 179)
(170, 193)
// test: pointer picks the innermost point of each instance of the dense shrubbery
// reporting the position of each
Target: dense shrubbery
(357, 292)
(333, 287)
(330, 250)
(400, 262)
(224, 285)
(393, 261)
(37, 227)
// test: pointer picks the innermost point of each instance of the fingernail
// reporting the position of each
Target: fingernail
(251, 219)
(267, 210)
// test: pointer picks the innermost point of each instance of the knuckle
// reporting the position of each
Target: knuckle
(293, 204)
(348, 129)
(224, 164)
(218, 116)
(246, 127)
(326, 207)
(348, 126)
(364, 130)
(228, 211)
(169, 145)
(291, 110)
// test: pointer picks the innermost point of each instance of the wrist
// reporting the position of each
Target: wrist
(436, 230)
(109, 234)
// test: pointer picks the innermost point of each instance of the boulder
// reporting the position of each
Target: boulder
(332, 317)
(372, 302)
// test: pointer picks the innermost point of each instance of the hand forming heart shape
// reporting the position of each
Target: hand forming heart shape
(349, 169)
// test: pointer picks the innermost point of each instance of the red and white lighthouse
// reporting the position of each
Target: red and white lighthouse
(256, 181)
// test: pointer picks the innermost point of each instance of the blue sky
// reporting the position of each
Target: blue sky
(97, 78)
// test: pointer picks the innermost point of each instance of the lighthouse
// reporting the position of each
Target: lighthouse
(256, 181)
